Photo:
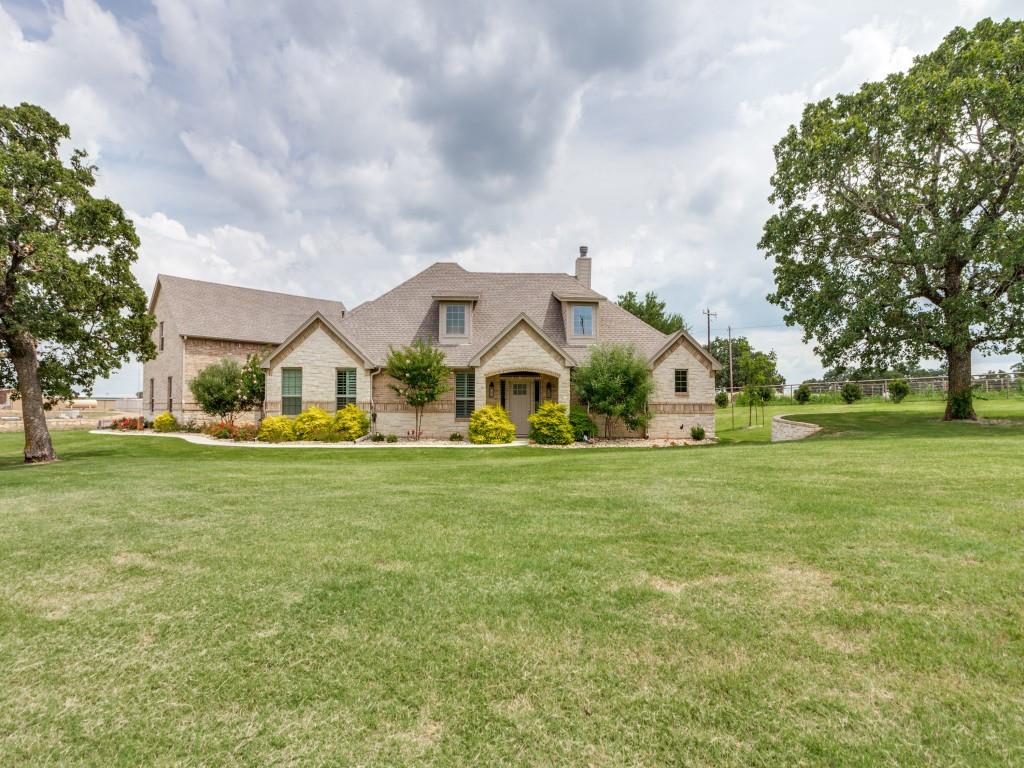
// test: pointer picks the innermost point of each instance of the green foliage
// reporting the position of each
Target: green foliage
(549, 425)
(165, 422)
(350, 422)
(960, 405)
(901, 212)
(312, 424)
(392, 438)
(377, 437)
(616, 383)
(721, 399)
(420, 375)
(802, 394)
(455, 437)
(740, 347)
(491, 424)
(697, 432)
(652, 311)
(216, 388)
(851, 392)
(70, 309)
(583, 426)
(898, 390)
(252, 384)
(276, 429)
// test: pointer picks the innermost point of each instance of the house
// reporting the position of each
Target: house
(510, 338)
(198, 323)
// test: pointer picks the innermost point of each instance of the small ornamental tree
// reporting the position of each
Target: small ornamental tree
(217, 389)
(252, 386)
(70, 309)
(420, 375)
(898, 390)
(901, 213)
(616, 383)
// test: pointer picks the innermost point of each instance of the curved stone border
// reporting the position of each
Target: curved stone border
(785, 429)
(207, 440)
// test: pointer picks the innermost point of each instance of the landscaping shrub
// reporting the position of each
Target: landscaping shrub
(583, 426)
(697, 432)
(312, 424)
(128, 424)
(851, 392)
(491, 424)
(165, 422)
(216, 389)
(377, 437)
(191, 426)
(351, 422)
(222, 430)
(276, 429)
(617, 383)
(721, 399)
(898, 390)
(802, 394)
(392, 438)
(455, 437)
(549, 425)
(246, 432)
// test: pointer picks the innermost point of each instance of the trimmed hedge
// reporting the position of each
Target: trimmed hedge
(582, 425)
(165, 422)
(312, 424)
(490, 425)
(277, 429)
(350, 423)
(549, 425)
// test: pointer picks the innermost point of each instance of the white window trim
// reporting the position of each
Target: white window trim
(593, 321)
(442, 321)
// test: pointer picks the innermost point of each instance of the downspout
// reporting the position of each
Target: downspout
(373, 405)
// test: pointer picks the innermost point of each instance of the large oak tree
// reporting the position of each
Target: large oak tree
(900, 230)
(70, 309)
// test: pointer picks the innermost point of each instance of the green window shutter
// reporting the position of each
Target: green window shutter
(346, 387)
(465, 394)
(291, 391)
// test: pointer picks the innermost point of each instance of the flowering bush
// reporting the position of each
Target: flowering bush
(350, 423)
(128, 424)
(277, 429)
(245, 432)
(549, 425)
(312, 424)
(165, 422)
(222, 430)
(491, 424)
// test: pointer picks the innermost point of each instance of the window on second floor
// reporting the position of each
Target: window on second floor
(161, 335)
(582, 320)
(455, 320)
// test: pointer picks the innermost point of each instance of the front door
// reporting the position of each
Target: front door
(519, 399)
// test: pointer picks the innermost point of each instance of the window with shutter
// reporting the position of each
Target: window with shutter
(465, 394)
(346, 390)
(291, 391)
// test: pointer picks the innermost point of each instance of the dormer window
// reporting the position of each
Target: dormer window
(583, 320)
(455, 320)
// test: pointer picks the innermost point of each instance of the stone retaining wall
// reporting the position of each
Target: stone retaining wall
(784, 429)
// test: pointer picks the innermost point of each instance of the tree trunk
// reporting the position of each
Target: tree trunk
(38, 446)
(959, 405)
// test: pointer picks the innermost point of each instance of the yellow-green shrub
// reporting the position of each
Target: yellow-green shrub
(276, 429)
(165, 422)
(491, 424)
(312, 424)
(351, 422)
(549, 425)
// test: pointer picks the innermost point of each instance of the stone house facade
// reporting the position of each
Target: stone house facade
(511, 339)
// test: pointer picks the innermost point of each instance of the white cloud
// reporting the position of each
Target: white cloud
(758, 46)
(875, 51)
(250, 180)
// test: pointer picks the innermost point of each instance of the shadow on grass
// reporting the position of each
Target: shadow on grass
(887, 423)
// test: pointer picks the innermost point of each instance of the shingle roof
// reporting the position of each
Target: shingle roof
(410, 311)
(218, 311)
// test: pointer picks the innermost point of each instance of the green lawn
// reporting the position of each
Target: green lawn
(853, 599)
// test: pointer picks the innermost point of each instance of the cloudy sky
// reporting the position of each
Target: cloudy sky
(334, 149)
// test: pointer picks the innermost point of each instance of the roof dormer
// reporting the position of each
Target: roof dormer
(455, 317)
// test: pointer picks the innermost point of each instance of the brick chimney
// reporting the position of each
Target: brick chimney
(583, 267)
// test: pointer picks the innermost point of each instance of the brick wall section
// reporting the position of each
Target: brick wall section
(678, 413)
(522, 349)
(168, 362)
(784, 430)
(319, 354)
(199, 353)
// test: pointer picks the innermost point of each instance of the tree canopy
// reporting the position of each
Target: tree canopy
(616, 383)
(218, 388)
(70, 309)
(420, 376)
(652, 311)
(900, 226)
(741, 346)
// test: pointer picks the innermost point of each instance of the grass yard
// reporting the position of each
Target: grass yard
(853, 599)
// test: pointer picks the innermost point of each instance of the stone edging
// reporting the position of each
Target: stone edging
(785, 429)
(207, 440)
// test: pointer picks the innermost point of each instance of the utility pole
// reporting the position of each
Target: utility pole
(732, 401)
(707, 311)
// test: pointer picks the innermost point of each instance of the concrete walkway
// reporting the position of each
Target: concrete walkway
(207, 440)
